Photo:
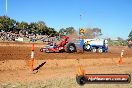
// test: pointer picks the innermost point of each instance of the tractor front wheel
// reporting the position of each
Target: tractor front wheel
(87, 47)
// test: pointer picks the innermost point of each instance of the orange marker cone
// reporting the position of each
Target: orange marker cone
(33, 47)
(81, 71)
(120, 60)
(32, 58)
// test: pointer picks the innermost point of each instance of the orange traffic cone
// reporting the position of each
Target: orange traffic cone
(120, 61)
(81, 71)
(33, 47)
(32, 58)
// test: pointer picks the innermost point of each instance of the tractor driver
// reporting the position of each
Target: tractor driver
(53, 44)
(86, 43)
(64, 41)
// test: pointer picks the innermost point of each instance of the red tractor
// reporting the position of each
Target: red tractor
(63, 46)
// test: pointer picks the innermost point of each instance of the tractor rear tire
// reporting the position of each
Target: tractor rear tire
(61, 51)
(70, 48)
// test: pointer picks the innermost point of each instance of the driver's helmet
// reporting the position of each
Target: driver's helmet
(51, 43)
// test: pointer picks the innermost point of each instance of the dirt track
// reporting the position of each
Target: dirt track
(60, 67)
(23, 51)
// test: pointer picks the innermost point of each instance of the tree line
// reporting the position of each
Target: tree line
(8, 24)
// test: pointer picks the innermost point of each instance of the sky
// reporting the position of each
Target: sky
(113, 17)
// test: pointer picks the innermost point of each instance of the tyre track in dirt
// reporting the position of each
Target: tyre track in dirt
(22, 52)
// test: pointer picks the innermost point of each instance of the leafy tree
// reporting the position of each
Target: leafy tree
(1, 26)
(93, 32)
(97, 32)
(41, 27)
(52, 31)
(33, 28)
(7, 24)
(121, 41)
(21, 26)
(118, 42)
(130, 36)
(70, 30)
(62, 31)
(111, 43)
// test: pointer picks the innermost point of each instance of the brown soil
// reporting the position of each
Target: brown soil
(15, 57)
(22, 52)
